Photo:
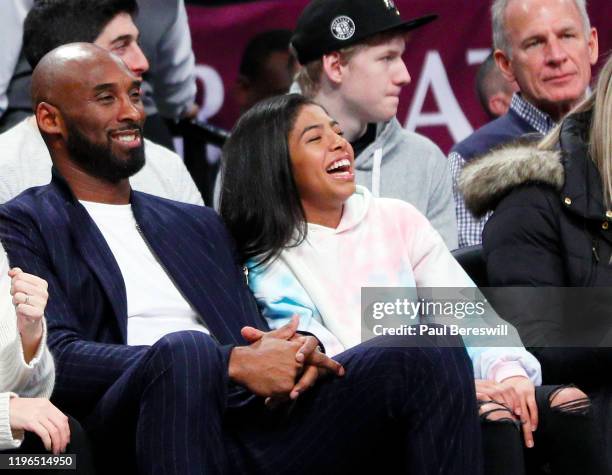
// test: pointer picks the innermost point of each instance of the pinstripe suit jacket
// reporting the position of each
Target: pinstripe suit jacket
(47, 232)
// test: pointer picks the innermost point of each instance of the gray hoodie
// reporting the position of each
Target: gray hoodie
(404, 165)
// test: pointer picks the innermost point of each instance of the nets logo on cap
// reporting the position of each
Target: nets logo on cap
(342, 27)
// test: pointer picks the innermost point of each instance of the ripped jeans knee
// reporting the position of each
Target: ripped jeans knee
(569, 400)
(497, 413)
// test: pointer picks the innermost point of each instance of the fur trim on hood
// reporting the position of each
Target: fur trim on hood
(485, 181)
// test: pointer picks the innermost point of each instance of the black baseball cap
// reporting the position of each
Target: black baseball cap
(329, 25)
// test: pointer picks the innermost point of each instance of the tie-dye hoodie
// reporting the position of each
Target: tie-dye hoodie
(380, 242)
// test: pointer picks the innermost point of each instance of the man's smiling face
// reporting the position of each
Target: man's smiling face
(103, 117)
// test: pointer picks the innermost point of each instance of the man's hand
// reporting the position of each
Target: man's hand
(30, 299)
(38, 415)
(316, 364)
(268, 367)
(518, 394)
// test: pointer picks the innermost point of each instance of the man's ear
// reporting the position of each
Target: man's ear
(49, 119)
(499, 103)
(504, 65)
(593, 43)
(333, 67)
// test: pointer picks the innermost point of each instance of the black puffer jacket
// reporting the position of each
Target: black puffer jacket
(550, 228)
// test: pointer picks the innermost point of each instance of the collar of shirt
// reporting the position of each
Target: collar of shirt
(539, 120)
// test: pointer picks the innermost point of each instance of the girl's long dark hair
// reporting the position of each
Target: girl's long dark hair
(259, 200)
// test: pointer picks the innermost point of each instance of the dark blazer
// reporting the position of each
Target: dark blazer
(503, 130)
(47, 232)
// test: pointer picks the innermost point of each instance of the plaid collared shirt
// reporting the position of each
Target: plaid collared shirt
(470, 227)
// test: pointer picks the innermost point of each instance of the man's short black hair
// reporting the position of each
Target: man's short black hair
(259, 48)
(53, 23)
(489, 80)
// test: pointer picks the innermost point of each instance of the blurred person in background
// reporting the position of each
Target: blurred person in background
(493, 89)
(11, 34)
(169, 87)
(266, 68)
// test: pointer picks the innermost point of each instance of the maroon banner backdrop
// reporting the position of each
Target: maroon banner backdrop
(442, 58)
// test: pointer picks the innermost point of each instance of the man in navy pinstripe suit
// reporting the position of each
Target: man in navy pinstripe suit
(159, 346)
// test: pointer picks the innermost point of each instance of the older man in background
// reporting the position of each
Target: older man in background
(548, 48)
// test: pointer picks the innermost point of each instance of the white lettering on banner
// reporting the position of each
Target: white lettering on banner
(450, 113)
(214, 92)
(477, 55)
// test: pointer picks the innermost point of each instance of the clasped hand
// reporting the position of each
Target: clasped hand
(280, 364)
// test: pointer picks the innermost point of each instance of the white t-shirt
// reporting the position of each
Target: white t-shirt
(155, 307)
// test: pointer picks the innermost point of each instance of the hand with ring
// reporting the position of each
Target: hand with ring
(30, 299)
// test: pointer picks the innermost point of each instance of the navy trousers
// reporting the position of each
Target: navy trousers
(398, 409)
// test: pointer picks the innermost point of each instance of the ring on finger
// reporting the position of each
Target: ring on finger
(27, 299)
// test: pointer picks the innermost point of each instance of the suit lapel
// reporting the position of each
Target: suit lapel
(213, 290)
(95, 252)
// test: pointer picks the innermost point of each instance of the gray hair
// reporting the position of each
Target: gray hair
(498, 12)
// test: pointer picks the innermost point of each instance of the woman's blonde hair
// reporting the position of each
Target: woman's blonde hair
(600, 134)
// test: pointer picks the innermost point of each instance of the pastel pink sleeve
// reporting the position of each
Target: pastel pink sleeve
(507, 369)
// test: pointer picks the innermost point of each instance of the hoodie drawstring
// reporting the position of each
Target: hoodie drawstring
(376, 172)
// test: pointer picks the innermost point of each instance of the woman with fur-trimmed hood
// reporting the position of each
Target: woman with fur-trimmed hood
(552, 227)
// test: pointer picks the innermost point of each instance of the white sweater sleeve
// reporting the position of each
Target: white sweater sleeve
(8, 438)
(33, 379)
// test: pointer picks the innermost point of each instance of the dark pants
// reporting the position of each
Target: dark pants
(79, 445)
(411, 410)
(602, 413)
(567, 442)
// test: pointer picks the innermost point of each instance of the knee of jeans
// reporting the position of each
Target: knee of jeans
(495, 412)
(569, 400)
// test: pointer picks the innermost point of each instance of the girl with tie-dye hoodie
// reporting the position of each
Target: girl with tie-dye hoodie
(311, 240)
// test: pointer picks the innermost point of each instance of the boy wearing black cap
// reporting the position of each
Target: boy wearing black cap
(351, 51)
